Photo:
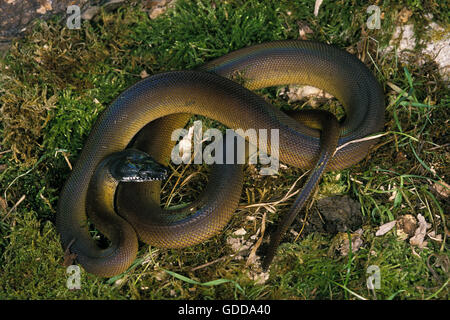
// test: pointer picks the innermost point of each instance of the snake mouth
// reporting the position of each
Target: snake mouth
(151, 174)
(132, 165)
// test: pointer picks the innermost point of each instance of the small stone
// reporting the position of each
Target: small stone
(90, 13)
(240, 232)
(144, 74)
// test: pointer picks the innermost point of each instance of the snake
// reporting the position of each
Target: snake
(116, 181)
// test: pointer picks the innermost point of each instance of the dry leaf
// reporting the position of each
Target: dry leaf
(304, 29)
(156, 12)
(402, 235)
(356, 243)
(69, 257)
(144, 74)
(441, 188)
(46, 6)
(252, 256)
(3, 204)
(240, 232)
(415, 253)
(400, 157)
(432, 235)
(420, 233)
(404, 15)
(258, 277)
(239, 246)
(394, 195)
(383, 229)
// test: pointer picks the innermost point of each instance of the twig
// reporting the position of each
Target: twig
(212, 262)
(286, 196)
(63, 152)
(6, 151)
(252, 256)
(14, 207)
(438, 147)
(361, 140)
(23, 174)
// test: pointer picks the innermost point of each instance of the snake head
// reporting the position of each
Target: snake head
(132, 165)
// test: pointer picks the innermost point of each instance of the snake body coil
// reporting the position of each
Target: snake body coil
(163, 102)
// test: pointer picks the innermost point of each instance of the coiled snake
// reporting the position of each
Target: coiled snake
(145, 115)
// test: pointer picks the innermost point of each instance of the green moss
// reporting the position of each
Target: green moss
(31, 265)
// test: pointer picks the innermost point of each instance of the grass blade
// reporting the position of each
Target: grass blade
(209, 283)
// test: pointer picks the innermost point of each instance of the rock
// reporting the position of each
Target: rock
(436, 48)
(90, 13)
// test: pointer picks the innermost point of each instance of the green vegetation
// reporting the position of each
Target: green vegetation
(55, 82)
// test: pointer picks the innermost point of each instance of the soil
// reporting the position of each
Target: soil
(17, 16)
(335, 214)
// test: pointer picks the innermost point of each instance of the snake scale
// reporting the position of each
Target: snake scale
(144, 116)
